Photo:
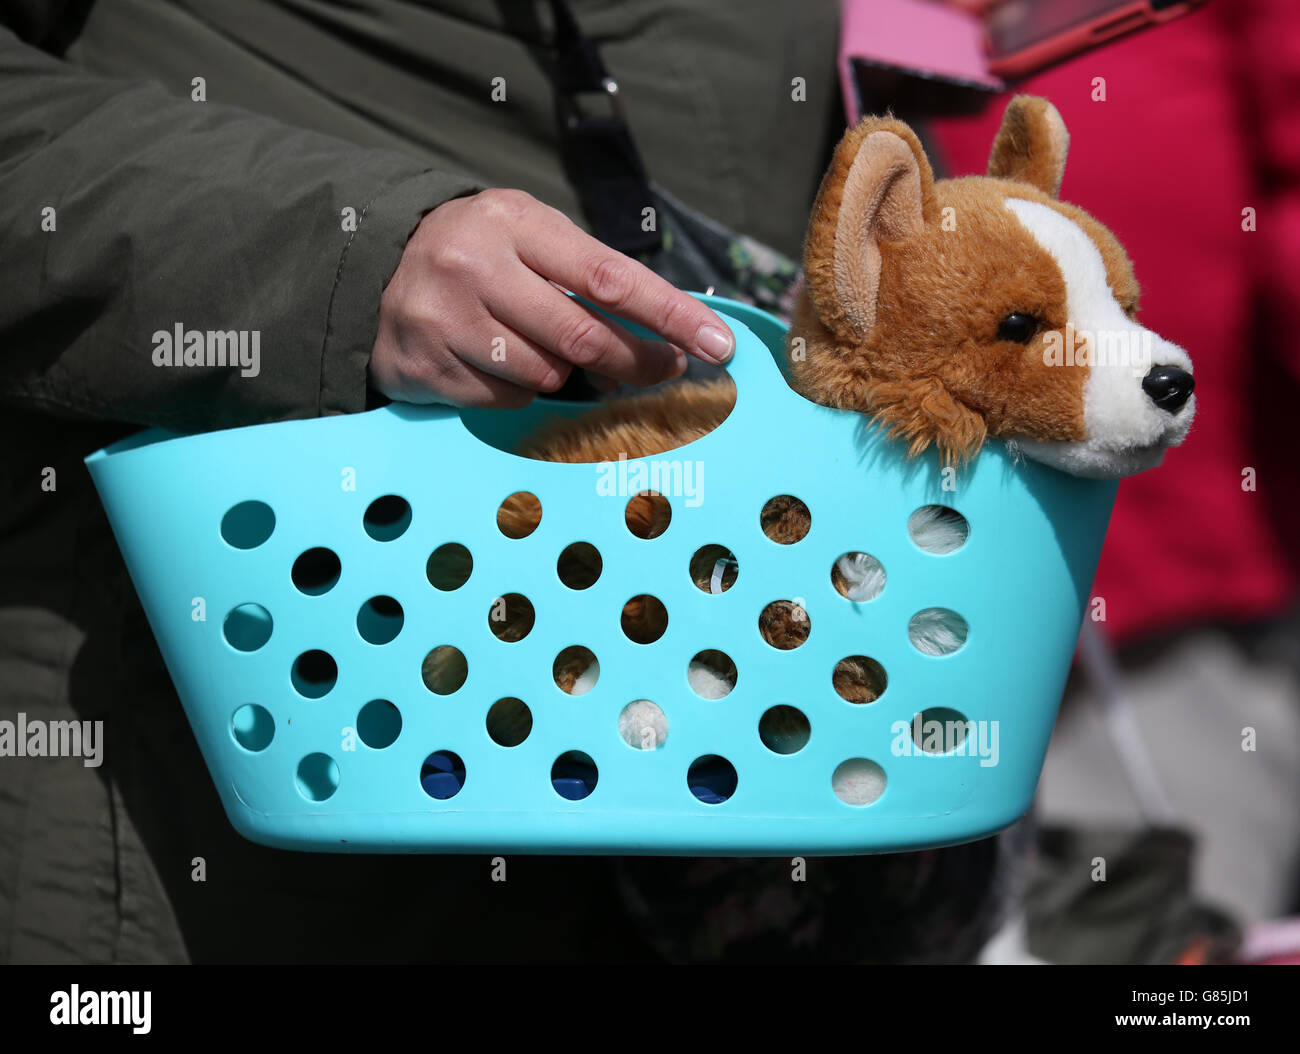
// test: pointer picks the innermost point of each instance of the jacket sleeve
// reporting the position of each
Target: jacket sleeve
(132, 217)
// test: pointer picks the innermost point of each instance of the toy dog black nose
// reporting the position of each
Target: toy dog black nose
(1168, 387)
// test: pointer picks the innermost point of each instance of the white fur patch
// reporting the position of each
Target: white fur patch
(1126, 431)
(863, 576)
(586, 680)
(643, 725)
(938, 529)
(858, 781)
(937, 631)
(708, 682)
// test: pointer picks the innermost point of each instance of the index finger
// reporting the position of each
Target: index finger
(550, 244)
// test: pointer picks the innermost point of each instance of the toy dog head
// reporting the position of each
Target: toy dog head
(963, 309)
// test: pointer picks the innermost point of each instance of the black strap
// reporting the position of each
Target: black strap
(597, 149)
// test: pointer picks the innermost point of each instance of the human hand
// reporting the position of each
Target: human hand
(474, 316)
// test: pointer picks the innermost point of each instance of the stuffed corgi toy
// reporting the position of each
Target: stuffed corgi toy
(951, 313)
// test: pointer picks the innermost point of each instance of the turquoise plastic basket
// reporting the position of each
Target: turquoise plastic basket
(293, 772)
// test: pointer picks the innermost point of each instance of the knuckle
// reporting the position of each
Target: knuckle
(672, 313)
(552, 379)
(454, 254)
(459, 257)
(583, 341)
(501, 203)
(438, 373)
(611, 280)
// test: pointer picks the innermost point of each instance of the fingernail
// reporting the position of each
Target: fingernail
(717, 344)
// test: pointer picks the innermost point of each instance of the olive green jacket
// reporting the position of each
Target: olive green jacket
(201, 163)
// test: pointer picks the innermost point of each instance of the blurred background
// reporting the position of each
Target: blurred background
(1178, 746)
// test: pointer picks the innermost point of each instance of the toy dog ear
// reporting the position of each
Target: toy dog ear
(879, 188)
(1031, 145)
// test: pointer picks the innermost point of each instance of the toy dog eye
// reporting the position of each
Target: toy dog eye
(1018, 327)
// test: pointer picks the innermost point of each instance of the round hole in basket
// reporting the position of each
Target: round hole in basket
(575, 670)
(937, 631)
(579, 566)
(442, 774)
(712, 779)
(643, 725)
(859, 679)
(714, 568)
(314, 673)
(248, 524)
(940, 729)
(648, 514)
(938, 529)
(509, 721)
(379, 723)
(247, 627)
(784, 624)
(444, 669)
(644, 619)
(317, 777)
(380, 620)
(784, 729)
(519, 515)
(511, 617)
(316, 571)
(858, 781)
(712, 674)
(387, 518)
(574, 775)
(785, 519)
(253, 727)
(449, 566)
(858, 577)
